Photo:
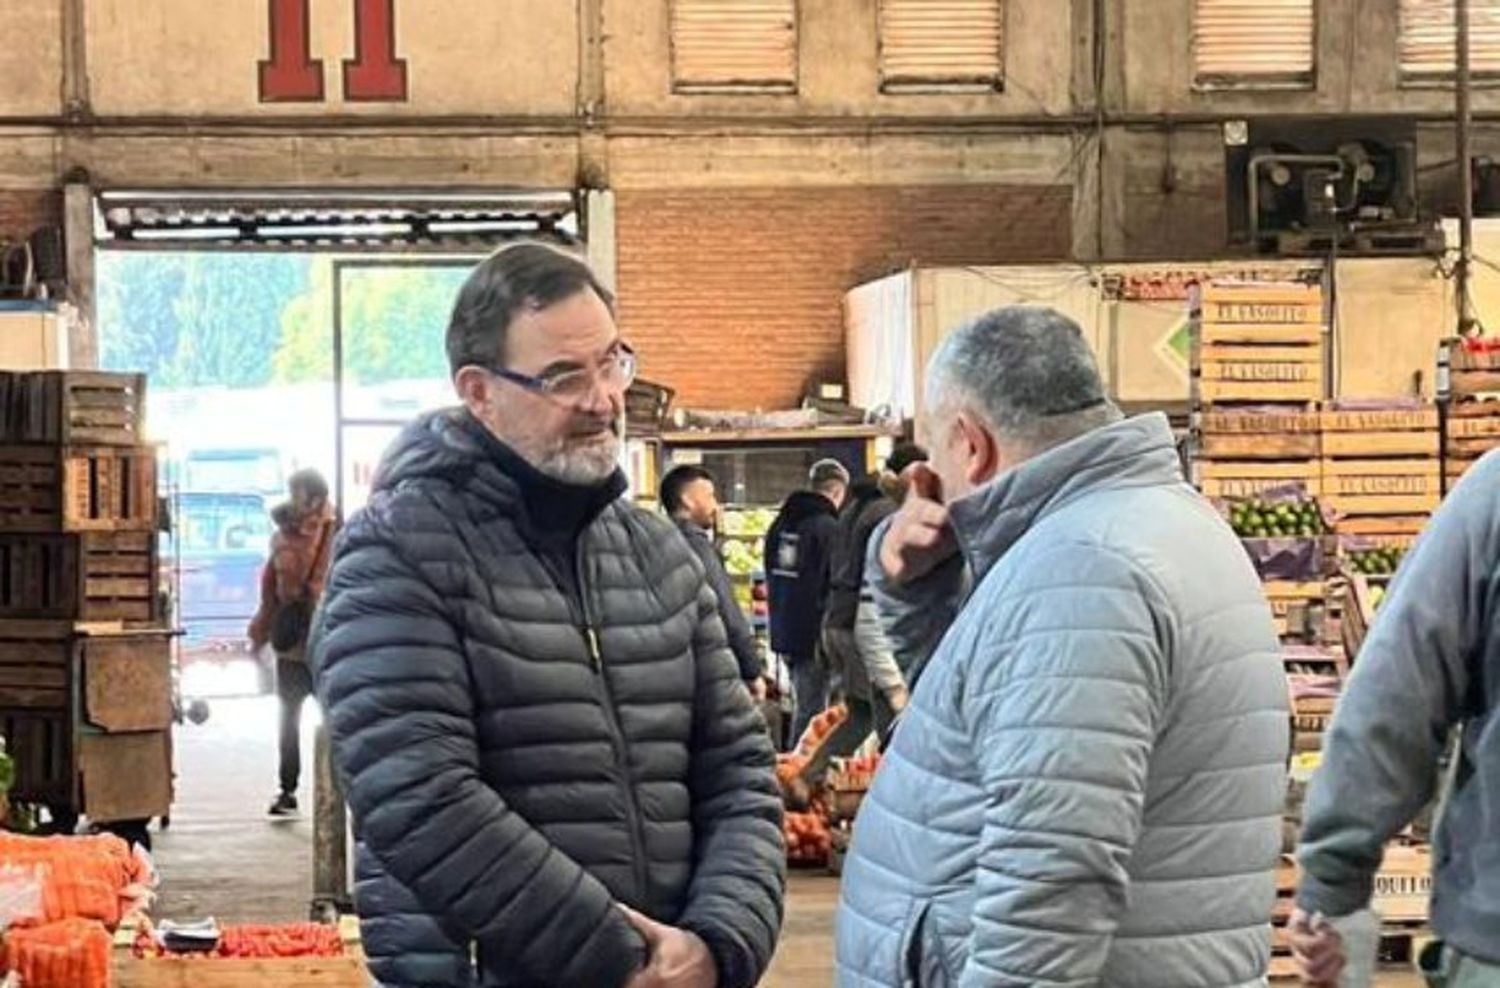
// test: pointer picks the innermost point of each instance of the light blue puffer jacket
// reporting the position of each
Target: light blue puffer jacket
(1087, 786)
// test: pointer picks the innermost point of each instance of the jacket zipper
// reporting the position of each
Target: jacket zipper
(616, 732)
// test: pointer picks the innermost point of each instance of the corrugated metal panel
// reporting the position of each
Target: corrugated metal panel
(734, 45)
(941, 42)
(1253, 42)
(1429, 35)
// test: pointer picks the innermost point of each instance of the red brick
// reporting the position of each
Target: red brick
(735, 296)
(24, 211)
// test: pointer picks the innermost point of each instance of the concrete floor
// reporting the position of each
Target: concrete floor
(222, 857)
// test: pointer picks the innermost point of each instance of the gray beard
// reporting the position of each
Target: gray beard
(583, 466)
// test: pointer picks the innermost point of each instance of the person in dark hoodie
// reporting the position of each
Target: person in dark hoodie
(550, 760)
(690, 498)
(797, 548)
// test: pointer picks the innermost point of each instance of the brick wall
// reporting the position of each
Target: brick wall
(735, 296)
(24, 210)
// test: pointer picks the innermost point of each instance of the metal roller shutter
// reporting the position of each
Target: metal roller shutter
(1253, 42)
(734, 45)
(1429, 35)
(941, 44)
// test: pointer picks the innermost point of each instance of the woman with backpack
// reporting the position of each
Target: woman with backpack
(290, 586)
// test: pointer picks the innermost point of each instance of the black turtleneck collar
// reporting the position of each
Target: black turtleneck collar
(556, 512)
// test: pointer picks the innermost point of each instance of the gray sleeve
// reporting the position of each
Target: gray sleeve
(1408, 689)
(918, 614)
(875, 650)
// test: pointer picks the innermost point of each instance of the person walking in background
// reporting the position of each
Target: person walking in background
(554, 772)
(1431, 664)
(290, 587)
(853, 641)
(690, 498)
(1086, 786)
(796, 563)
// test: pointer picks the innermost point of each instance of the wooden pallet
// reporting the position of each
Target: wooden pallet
(72, 408)
(88, 577)
(77, 488)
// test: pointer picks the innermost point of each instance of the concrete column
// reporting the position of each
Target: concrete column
(599, 222)
(330, 834)
(78, 239)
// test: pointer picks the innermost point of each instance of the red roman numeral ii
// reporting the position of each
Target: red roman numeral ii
(292, 75)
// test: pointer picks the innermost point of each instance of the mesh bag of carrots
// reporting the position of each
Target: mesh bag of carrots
(101, 878)
(73, 953)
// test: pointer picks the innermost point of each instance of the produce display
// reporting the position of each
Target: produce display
(742, 539)
(819, 728)
(1258, 519)
(251, 941)
(808, 840)
(99, 878)
(72, 953)
(1380, 561)
(747, 522)
(854, 774)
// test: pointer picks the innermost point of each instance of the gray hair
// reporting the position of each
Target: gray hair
(1027, 371)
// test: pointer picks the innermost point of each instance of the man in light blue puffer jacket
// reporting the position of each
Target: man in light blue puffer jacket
(1086, 788)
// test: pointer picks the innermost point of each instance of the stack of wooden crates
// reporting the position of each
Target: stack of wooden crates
(1259, 353)
(1263, 420)
(1473, 426)
(85, 656)
(1381, 470)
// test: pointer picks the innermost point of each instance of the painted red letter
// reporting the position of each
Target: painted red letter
(291, 75)
(375, 74)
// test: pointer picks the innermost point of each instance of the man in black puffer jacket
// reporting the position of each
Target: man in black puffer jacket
(545, 743)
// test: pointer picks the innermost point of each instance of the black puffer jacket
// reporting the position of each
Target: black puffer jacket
(522, 748)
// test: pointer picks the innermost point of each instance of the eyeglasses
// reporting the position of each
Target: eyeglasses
(617, 370)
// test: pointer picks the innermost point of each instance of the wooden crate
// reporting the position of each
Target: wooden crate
(72, 408)
(42, 744)
(77, 488)
(125, 681)
(1403, 885)
(348, 971)
(1411, 486)
(1474, 383)
(1230, 436)
(1248, 479)
(1258, 343)
(1383, 433)
(126, 776)
(1260, 303)
(36, 660)
(88, 577)
(282, 972)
